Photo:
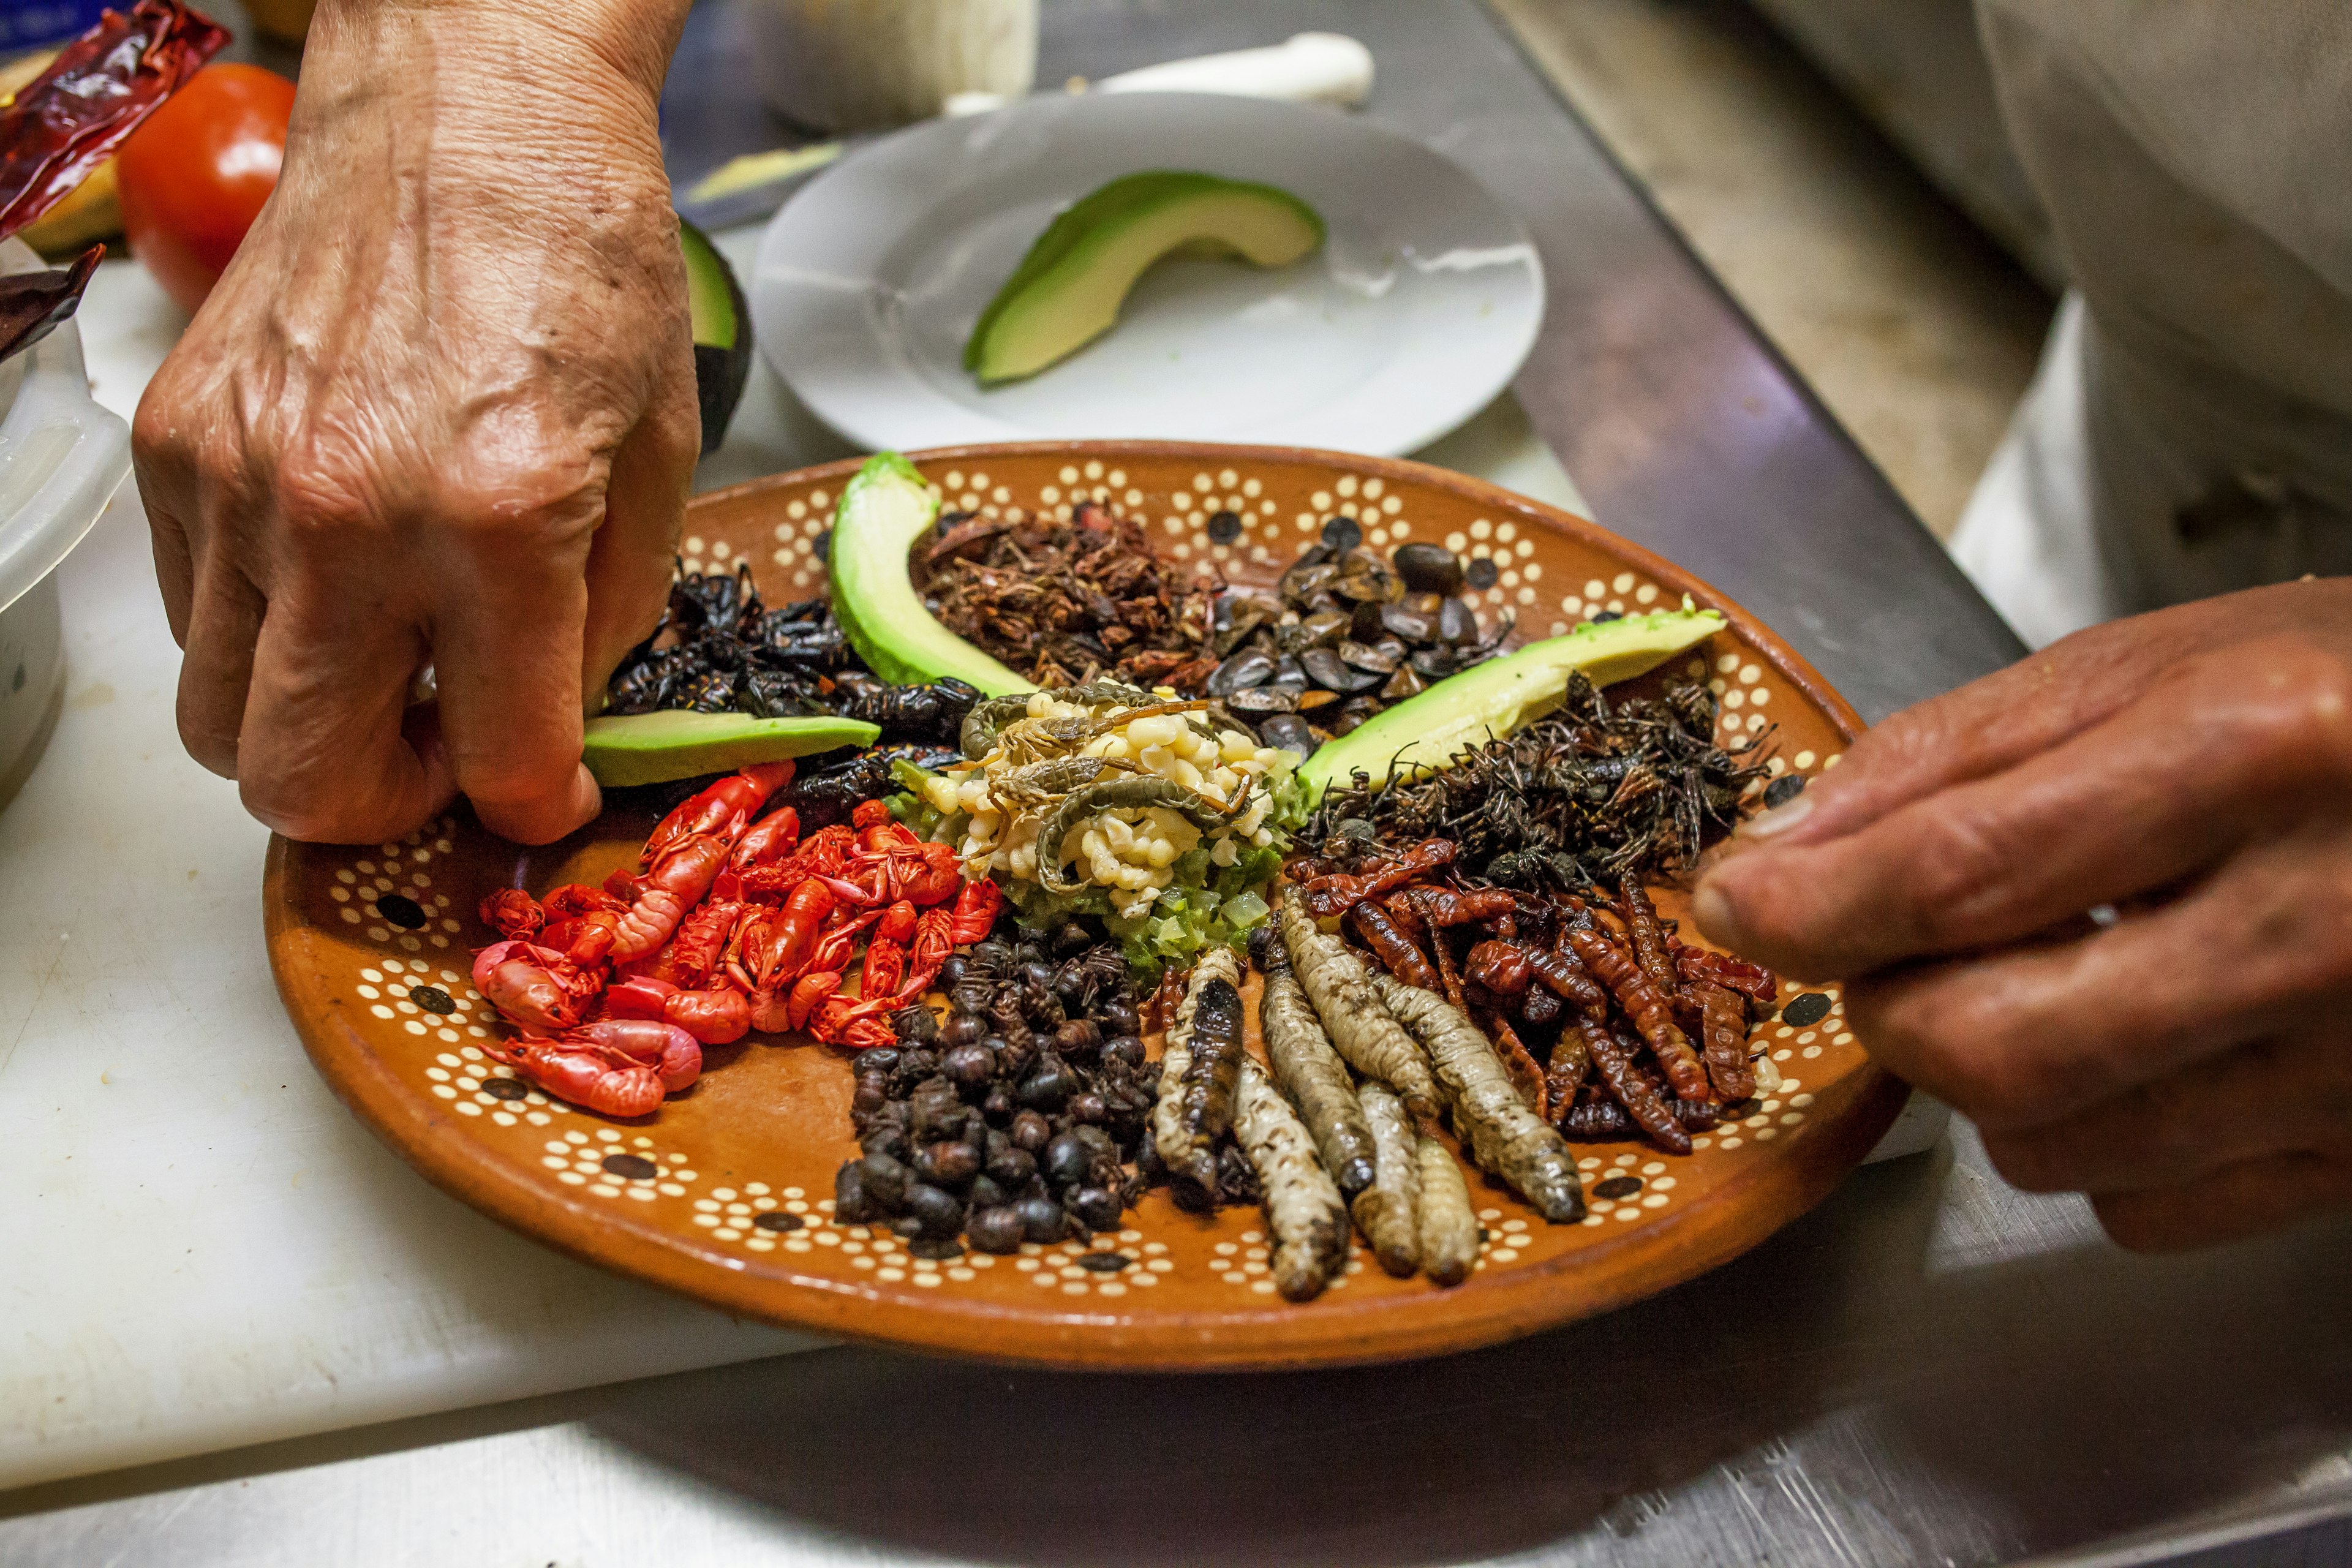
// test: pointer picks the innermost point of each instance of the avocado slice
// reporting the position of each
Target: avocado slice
(653, 748)
(722, 332)
(1422, 733)
(883, 511)
(1069, 288)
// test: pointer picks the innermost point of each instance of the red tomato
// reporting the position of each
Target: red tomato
(194, 177)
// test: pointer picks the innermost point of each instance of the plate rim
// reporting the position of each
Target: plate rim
(1427, 432)
(1757, 1202)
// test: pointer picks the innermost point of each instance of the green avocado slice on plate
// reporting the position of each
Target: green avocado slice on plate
(1069, 288)
(884, 512)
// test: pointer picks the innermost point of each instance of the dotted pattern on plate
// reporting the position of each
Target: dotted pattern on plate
(415, 1002)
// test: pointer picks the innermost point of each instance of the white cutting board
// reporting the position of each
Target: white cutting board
(199, 1246)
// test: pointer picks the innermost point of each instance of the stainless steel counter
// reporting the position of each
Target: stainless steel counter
(1930, 1368)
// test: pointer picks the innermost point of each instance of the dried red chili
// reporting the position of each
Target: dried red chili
(33, 303)
(65, 121)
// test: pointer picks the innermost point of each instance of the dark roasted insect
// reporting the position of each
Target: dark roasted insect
(963, 1131)
(1096, 971)
(1541, 924)
(1511, 968)
(1449, 907)
(826, 794)
(1570, 1065)
(934, 712)
(1580, 797)
(1601, 1118)
(1527, 1074)
(720, 649)
(1063, 602)
(1447, 972)
(1205, 1091)
(1537, 1003)
(1501, 966)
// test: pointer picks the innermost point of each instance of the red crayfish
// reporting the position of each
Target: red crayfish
(730, 922)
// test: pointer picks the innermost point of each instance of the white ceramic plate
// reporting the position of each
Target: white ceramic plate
(1418, 309)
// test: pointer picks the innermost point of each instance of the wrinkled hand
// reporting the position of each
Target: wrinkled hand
(2189, 1065)
(439, 410)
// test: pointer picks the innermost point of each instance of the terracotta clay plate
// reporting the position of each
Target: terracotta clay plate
(724, 1194)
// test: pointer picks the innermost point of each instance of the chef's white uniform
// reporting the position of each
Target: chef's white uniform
(2189, 429)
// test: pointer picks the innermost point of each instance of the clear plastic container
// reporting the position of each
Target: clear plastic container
(61, 458)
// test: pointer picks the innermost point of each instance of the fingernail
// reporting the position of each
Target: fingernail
(1780, 819)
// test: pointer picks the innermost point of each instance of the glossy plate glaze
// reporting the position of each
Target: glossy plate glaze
(723, 1195)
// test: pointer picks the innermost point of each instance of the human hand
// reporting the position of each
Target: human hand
(2189, 1065)
(440, 408)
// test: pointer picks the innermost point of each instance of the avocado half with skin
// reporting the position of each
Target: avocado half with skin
(722, 332)
(1069, 288)
(655, 748)
(1422, 734)
(885, 511)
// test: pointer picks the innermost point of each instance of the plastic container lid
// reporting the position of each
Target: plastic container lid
(61, 455)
